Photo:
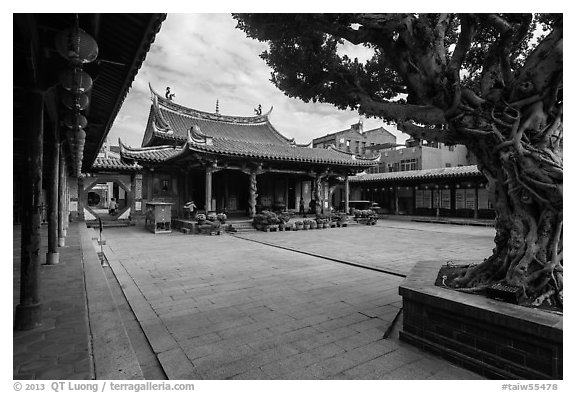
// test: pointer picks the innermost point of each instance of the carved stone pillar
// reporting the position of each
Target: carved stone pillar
(253, 195)
(346, 195)
(208, 194)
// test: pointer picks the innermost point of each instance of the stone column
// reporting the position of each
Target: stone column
(396, 205)
(208, 193)
(317, 190)
(253, 195)
(52, 255)
(346, 195)
(29, 310)
(63, 200)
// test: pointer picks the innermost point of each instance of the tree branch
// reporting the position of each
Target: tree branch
(424, 133)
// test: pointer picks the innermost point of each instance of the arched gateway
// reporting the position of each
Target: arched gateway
(240, 165)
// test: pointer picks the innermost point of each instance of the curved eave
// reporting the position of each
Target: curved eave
(153, 154)
(113, 165)
(273, 157)
(426, 174)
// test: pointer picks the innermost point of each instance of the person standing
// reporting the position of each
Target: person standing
(302, 211)
(191, 208)
(112, 207)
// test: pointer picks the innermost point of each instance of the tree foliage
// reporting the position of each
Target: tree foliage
(492, 82)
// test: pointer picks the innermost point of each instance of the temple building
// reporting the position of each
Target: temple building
(237, 165)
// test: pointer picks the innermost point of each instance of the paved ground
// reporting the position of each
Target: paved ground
(59, 349)
(217, 307)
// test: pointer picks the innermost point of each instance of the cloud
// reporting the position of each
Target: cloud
(204, 58)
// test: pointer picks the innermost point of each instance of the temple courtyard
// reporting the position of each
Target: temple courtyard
(310, 304)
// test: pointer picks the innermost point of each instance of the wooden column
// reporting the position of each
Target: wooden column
(208, 193)
(52, 255)
(396, 206)
(63, 199)
(29, 310)
(132, 195)
(253, 188)
(476, 201)
(346, 195)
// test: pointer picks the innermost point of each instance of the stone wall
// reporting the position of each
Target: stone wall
(495, 339)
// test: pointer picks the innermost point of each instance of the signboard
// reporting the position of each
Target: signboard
(483, 202)
(138, 206)
(460, 199)
(427, 199)
(436, 199)
(419, 198)
(470, 198)
(445, 199)
(73, 206)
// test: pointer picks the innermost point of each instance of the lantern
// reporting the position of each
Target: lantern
(75, 80)
(75, 120)
(76, 46)
(75, 101)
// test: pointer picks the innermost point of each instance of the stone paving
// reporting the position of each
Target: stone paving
(225, 307)
(59, 349)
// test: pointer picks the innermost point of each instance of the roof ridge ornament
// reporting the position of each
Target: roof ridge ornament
(196, 136)
(159, 122)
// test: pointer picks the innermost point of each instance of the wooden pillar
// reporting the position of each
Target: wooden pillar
(62, 200)
(396, 205)
(346, 195)
(132, 196)
(82, 198)
(52, 255)
(208, 194)
(253, 188)
(29, 310)
(476, 201)
(187, 196)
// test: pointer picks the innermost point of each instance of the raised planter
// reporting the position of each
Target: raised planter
(495, 339)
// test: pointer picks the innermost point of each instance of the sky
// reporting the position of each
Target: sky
(204, 58)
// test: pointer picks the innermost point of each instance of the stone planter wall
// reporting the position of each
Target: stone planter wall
(495, 339)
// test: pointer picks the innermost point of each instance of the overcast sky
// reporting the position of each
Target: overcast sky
(204, 58)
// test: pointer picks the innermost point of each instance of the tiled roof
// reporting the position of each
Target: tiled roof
(253, 137)
(115, 164)
(422, 174)
(284, 152)
(153, 154)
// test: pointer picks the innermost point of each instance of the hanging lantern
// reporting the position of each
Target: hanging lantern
(75, 101)
(76, 46)
(75, 80)
(81, 135)
(75, 120)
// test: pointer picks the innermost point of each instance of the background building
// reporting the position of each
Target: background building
(357, 141)
(418, 154)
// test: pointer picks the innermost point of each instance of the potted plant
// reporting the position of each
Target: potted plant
(221, 217)
(307, 224)
(200, 218)
(298, 225)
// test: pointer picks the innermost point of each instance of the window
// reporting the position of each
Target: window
(348, 145)
(363, 147)
(357, 146)
(448, 165)
(410, 164)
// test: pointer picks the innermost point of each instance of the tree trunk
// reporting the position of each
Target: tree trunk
(523, 165)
